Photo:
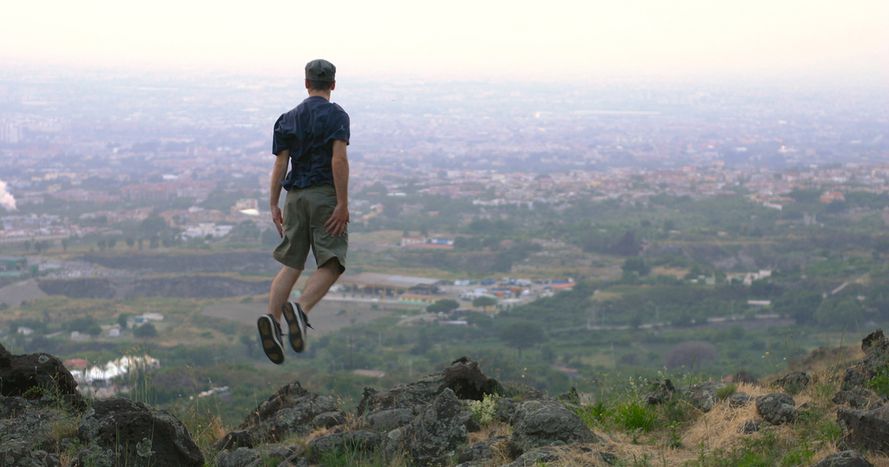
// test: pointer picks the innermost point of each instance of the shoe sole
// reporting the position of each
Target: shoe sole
(270, 346)
(294, 330)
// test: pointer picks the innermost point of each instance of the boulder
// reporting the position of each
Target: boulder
(793, 383)
(240, 457)
(463, 377)
(389, 419)
(436, 433)
(739, 399)
(234, 440)
(876, 350)
(776, 408)
(865, 429)
(857, 398)
(535, 457)
(290, 410)
(26, 438)
(364, 442)
(703, 396)
(844, 459)
(750, 426)
(504, 409)
(37, 375)
(547, 422)
(121, 431)
(328, 419)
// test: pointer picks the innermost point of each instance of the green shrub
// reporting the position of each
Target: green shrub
(594, 414)
(483, 410)
(880, 382)
(635, 416)
(726, 391)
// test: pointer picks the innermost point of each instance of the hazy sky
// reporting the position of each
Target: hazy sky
(549, 40)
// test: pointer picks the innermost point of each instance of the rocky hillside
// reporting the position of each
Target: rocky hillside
(829, 411)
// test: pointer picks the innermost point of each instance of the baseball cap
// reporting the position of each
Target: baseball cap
(320, 70)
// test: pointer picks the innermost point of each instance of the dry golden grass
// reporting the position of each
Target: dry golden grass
(721, 426)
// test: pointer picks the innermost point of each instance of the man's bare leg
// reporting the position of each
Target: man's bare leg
(281, 288)
(319, 283)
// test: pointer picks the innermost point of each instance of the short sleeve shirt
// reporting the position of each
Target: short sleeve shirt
(309, 131)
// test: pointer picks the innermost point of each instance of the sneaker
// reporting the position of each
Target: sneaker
(296, 325)
(271, 337)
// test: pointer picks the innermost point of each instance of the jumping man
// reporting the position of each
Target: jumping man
(312, 138)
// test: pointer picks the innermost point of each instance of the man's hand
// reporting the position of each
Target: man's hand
(278, 219)
(336, 223)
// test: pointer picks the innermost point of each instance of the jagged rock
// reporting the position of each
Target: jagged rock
(481, 452)
(535, 457)
(240, 457)
(435, 434)
(703, 396)
(328, 419)
(504, 410)
(750, 426)
(288, 411)
(389, 419)
(661, 392)
(26, 434)
(522, 392)
(37, 375)
(776, 408)
(136, 435)
(793, 383)
(844, 459)
(608, 457)
(739, 399)
(865, 429)
(234, 440)
(546, 422)
(463, 377)
(876, 350)
(857, 398)
(359, 441)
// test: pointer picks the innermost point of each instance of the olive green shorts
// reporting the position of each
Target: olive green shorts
(305, 212)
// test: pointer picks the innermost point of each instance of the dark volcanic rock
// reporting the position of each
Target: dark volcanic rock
(389, 419)
(358, 441)
(865, 429)
(793, 383)
(535, 457)
(26, 435)
(857, 398)
(776, 408)
(739, 399)
(131, 433)
(463, 377)
(546, 422)
(234, 440)
(481, 452)
(37, 375)
(844, 459)
(504, 410)
(750, 426)
(240, 457)
(290, 410)
(876, 350)
(436, 433)
(661, 392)
(703, 395)
(328, 419)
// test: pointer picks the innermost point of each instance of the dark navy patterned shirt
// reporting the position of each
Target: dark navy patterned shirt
(309, 131)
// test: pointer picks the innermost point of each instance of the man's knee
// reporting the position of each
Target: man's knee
(334, 266)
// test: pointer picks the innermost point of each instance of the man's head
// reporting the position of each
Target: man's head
(320, 75)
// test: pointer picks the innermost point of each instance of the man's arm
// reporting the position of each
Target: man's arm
(278, 172)
(336, 224)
